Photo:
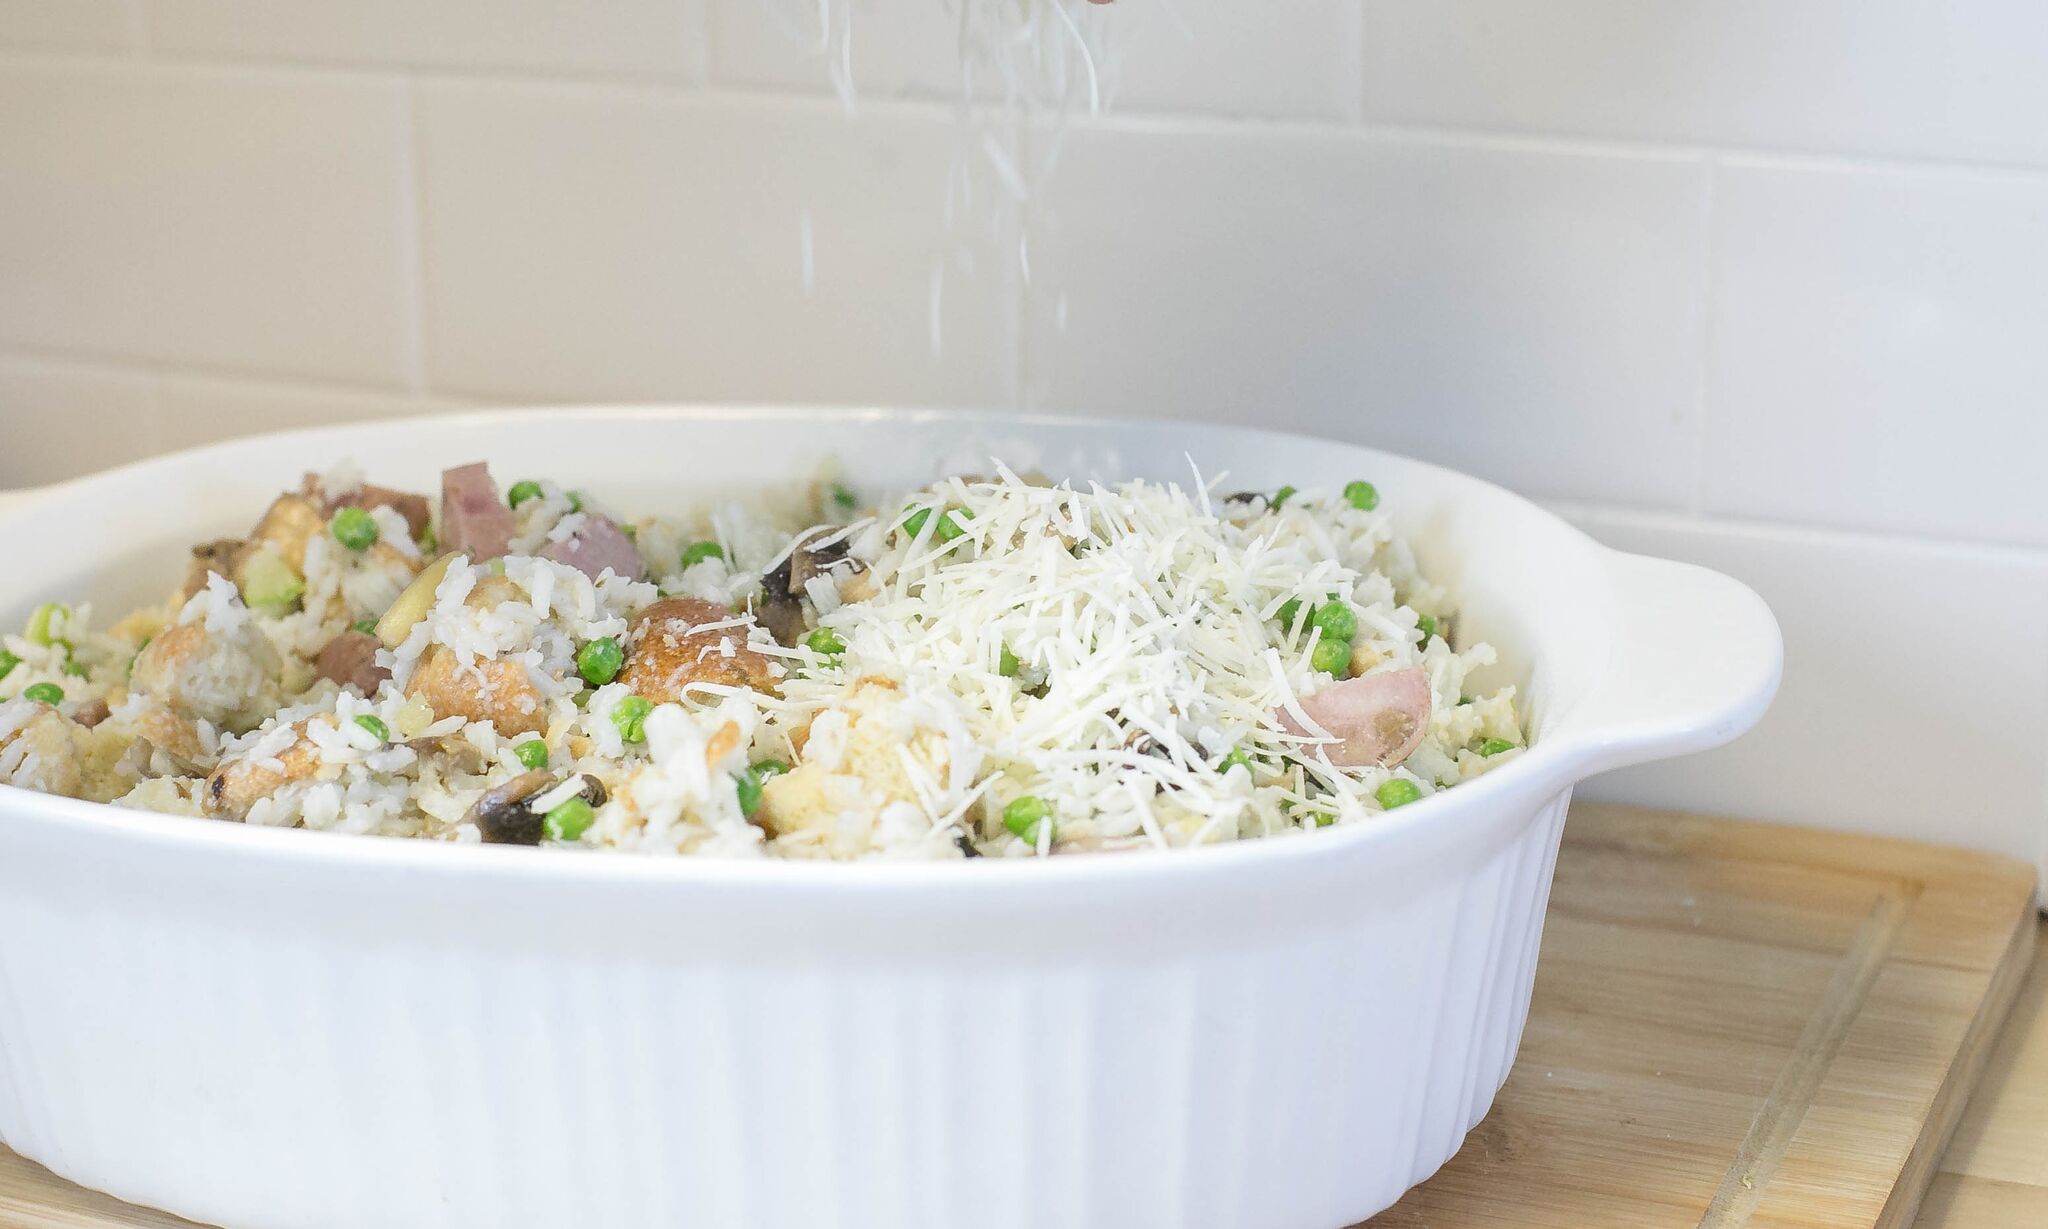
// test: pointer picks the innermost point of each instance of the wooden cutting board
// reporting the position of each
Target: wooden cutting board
(1735, 1025)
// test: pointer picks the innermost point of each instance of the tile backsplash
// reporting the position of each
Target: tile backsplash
(1756, 284)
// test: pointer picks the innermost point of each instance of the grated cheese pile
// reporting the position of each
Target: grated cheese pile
(1115, 654)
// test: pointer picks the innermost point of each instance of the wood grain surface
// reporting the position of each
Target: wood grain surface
(1735, 1025)
(1995, 1172)
(1741, 1025)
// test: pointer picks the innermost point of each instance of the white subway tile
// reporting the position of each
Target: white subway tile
(601, 243)
(201, 409)
(1211, 56)
(59, 420)
(892, 52)
(641, 37)
(1877, 355)
(1959, 79)
(1915, 700)
(1534, 318)
(1232, 58)
(218, 218)
(66, 25)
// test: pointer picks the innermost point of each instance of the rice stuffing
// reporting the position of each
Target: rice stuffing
(992, 666)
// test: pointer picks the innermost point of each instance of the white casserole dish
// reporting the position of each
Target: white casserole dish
(265, 1028)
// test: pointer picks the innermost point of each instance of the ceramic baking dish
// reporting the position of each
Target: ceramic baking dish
(266, 1028)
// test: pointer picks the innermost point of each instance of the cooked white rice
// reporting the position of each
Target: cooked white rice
(996, 666)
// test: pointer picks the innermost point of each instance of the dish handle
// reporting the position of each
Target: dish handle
(1695, 661)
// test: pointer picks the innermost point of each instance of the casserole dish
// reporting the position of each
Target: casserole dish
(263, 1028)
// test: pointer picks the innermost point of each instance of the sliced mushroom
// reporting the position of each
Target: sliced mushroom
(502, 815)
(781, 609)
(209, 558)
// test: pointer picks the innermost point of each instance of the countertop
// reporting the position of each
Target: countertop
(1995, 1172)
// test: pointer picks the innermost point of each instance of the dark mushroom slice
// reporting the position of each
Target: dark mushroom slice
(217, 556)
(781, 608)
(502, 815)
(91, 713)
(593, 791)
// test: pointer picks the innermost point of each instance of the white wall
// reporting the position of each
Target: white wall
(1758, 283)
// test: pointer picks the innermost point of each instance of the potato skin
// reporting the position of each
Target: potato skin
(666, 655)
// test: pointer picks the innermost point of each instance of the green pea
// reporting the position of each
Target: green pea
(523, 491)
(1280, 497)
(8, 661)
(39, 623)
(568, 821)
(747, 787)
(1397, 792)
(952, 525)
(844, 499)
(75, 668)
(1323, 818)
(1007, 664)
(48, 693)
(698, 552)
(363, 626)
(1236, 759)
(1494, 746)
(825, 642)
(375, 725)
(1363, 496)
(599, 661)
(748, 784)
(1336, 620)
(354, 528)
(429, 540)
(575, 501)
(630, 716)
(1426, 624)
(1331, 657)
(1027, 816)
(1289, 610)
(533, 753)
(913, 521)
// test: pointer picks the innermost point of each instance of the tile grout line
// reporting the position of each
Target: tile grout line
(693, 81)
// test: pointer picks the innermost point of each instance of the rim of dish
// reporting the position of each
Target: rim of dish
(1546, 756)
